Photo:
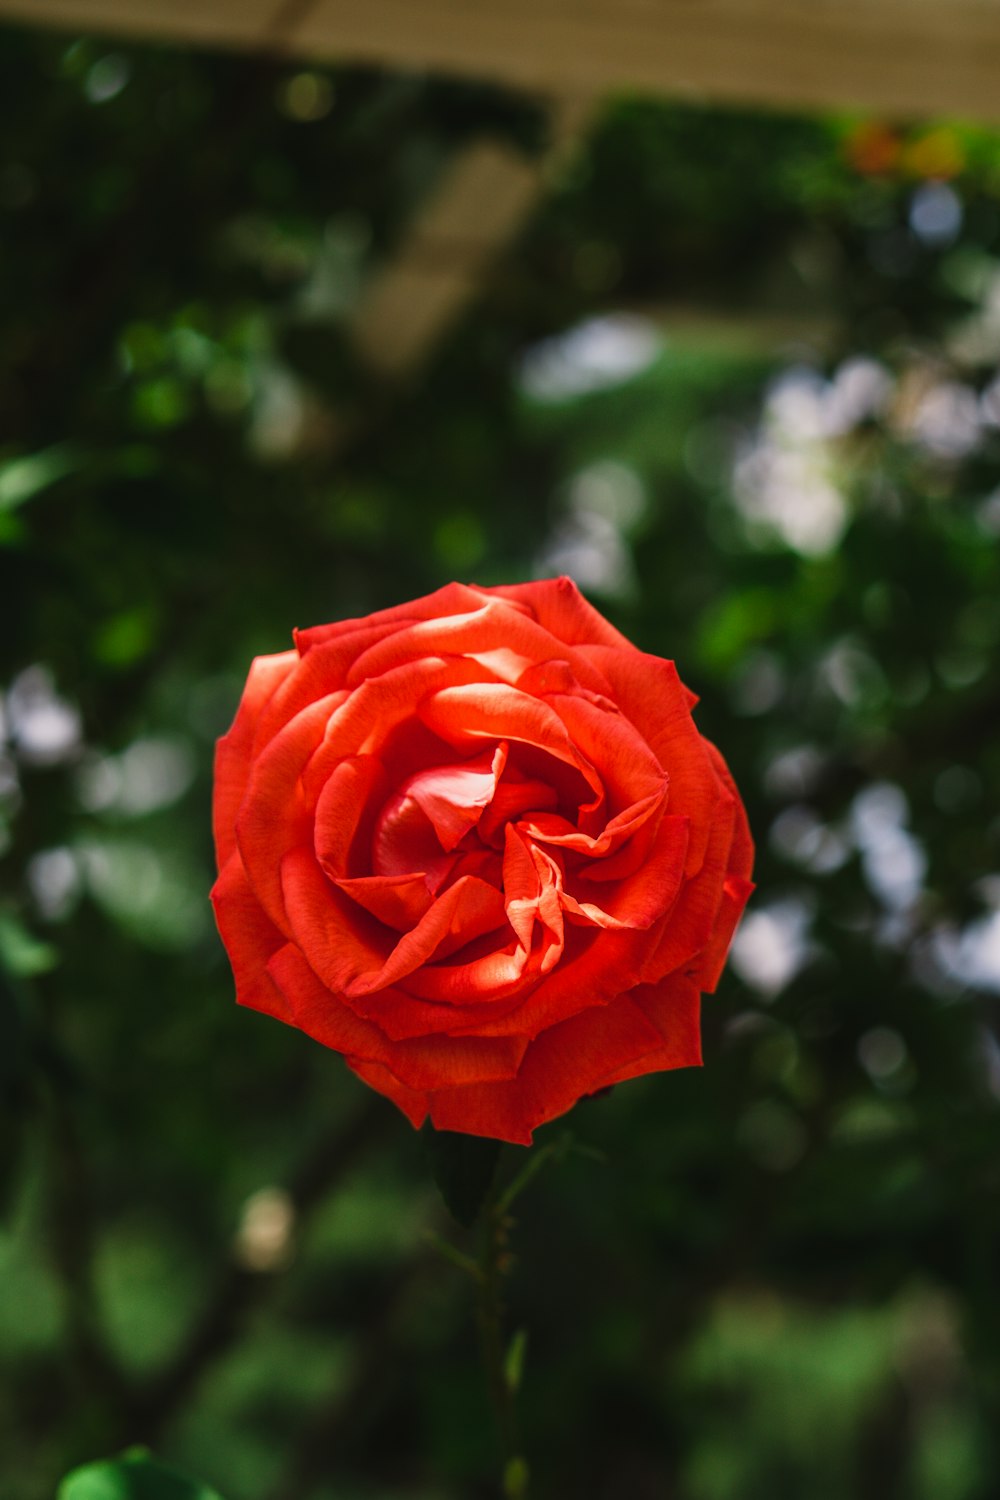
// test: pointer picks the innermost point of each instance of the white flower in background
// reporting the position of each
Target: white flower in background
(947, 420)
(594, 356)
(603, 504)
(772, 944)
(44, 729)
(790, 492)
(786, 480)
(893, 861)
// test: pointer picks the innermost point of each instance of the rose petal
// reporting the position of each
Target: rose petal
(492, 634)
(405, 844)
(513, 797)
(410, 1101)
(689, 926)
(499, 633)
(497, 976)
(275, 815)
(672, 1010)
(419, 1064)
(737, 889)
(558, 604)
(233, 750)
(565, 1062)
(401, 1014)
(463, 715)
(644, 897)
(322, 674)
(652, 696)
(398, 901)
(532, 884)
(339, 939)
(344, 811)
(629, 770)
(452, 599)
(551, 829)
(369, 715)
(741, 854)
(558, 677)
(465, 911)
(454, 797)
(250, 940)
(735, 894)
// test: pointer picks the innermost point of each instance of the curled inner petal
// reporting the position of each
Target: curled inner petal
(454, 797)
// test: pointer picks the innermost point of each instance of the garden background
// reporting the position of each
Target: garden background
(737, 375)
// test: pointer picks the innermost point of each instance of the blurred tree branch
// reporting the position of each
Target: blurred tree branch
(238, 1291)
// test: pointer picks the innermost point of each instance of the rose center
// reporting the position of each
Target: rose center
(450, 820)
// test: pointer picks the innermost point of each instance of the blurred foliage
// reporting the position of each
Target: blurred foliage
(136, 1475)
(739, 376)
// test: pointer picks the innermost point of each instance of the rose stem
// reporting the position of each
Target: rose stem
(493, 1264)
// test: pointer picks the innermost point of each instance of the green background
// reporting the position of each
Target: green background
(781, 1278)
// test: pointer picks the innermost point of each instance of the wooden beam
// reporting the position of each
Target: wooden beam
(897, 58)
(239, 24)
(481, 203)
(906, 58)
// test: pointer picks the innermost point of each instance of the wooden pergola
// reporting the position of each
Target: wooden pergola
(897, 59)
(912, 58)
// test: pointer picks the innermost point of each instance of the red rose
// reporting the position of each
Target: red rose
(477, 845)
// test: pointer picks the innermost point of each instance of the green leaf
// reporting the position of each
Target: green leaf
(515, 1479)
(21, 954)
(464, 1167)
(23, 478)
(513, 1365)
(135, 1475)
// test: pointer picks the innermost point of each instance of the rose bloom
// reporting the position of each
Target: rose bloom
(477, 845)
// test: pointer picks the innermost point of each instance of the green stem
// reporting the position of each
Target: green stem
(536, 1160)
(493, 1265)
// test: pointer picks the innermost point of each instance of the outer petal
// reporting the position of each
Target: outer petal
(499, 633)
(575, 1058)
(736, 890)
(735, 894)
(742, 852)
(410, 1101)
(649, 693)
(250, 939)
(452, 599)
(233, 751)
(423, 1063)
(275, 815)
(558, 604)
(674, 1008)
(688, 929)
(317, 676)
